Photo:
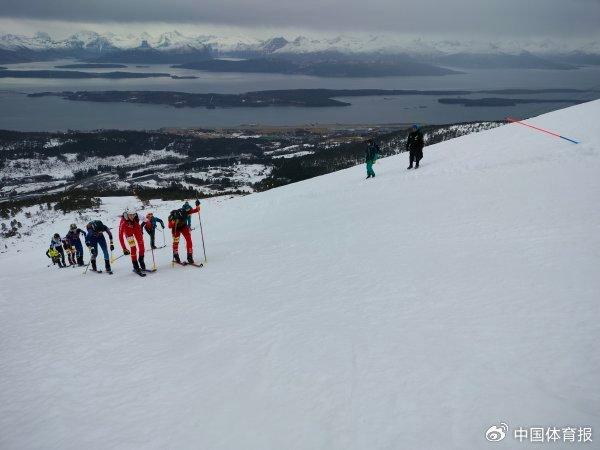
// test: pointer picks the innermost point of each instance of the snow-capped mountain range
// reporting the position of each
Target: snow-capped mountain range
(175, 41)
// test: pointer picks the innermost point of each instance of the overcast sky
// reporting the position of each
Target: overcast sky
(507, 19)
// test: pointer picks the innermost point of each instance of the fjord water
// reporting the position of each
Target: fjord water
(52, 113)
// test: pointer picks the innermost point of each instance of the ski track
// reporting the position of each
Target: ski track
(409, 311)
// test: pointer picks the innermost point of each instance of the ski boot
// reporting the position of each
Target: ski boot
(107, 267)
(190, 258)
(176, 258)
(142, 263)
(94, 268)
(409, 167)
(136, 267)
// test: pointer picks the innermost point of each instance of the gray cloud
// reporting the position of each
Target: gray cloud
(506, 18)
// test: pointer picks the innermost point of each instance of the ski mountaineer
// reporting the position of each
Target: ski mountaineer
(186, 206)
(57, 244)
(70, 251)
(150, 226)
(131, 230)
(94, 238)
(73, 238)
(178, 223)
(371, 155)
(414, 145)
(53, 254)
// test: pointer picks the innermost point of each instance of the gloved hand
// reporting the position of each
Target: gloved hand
(93, 251)
(125, 251)
(163, 227)
(112, 247)
(197, 202)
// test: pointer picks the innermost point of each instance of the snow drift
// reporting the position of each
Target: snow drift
(413, 310)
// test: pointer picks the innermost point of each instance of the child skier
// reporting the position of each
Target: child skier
(130, 230)
(57, 244)
(70, 251)
(178, 222)
(150, 226)
(95, 238)
(73, 238)
(371, 155)
(53, 254)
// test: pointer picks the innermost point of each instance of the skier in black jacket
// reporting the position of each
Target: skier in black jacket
(414, 145)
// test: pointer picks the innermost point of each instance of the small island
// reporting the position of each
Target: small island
(291, 97)
(288, 97)
(77, 74)
(92, 66)
(498, 102)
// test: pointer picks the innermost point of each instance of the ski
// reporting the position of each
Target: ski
(96, 271)
(185, 263)
(149, 270)
(141, 274)
(179, 262)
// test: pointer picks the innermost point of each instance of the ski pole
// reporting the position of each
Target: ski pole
(202, 234)
(90, 261)
(153, 261)
(164, 240)
(118, 257)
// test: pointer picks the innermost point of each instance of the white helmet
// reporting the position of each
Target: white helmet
(129, 211)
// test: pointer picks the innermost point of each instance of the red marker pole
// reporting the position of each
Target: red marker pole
(551, 133)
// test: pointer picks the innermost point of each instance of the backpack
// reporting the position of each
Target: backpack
(96, 225)
(178, 216)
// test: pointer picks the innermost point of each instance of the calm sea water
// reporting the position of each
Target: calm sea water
(50, 113)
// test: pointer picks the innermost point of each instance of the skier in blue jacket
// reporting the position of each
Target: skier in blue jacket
(73, 238)
(95, 238)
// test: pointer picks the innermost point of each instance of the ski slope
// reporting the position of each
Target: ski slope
(409, 311)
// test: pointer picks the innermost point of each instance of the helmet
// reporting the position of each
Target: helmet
(73, 226)
(56, 236)
(129, 211)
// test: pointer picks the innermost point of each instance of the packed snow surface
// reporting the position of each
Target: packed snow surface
(409, 311)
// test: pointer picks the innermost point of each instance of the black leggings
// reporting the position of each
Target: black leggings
(416, 156)
(151, 232)
(62, 255)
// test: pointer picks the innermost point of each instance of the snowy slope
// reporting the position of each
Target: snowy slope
(410, 311)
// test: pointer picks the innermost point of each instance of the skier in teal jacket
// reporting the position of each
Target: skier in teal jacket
(371, 155)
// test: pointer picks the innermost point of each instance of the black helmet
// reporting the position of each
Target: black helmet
(56, 236)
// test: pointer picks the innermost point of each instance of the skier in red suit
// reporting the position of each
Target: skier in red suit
(130, 230)
(179, 226)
